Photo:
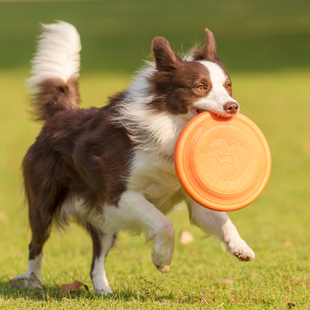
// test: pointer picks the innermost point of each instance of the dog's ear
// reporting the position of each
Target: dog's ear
(209, 50)
(166, 59)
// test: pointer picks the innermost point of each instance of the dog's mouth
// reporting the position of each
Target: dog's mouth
(195, 111)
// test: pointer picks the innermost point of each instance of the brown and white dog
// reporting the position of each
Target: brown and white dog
(111, 168)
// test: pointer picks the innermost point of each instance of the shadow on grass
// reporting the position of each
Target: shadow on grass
(144, 292)
(147, 291)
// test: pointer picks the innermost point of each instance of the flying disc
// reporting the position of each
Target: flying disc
(223, 164)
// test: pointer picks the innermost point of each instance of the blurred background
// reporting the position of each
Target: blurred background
(252, 36)
(265, 45)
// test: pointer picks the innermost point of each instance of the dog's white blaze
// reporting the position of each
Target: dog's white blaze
(218, 96)
(57, 55)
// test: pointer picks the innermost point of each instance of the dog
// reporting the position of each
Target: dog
(112, 168)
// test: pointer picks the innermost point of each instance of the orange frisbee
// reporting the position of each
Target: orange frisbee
(224, 164)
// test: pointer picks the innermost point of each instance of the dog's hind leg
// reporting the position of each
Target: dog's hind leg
(102, 243)
(44, 195)
(40, 223)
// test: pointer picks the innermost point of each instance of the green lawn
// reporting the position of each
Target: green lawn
(266, 48)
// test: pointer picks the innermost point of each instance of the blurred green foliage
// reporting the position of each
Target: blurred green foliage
(117, 34)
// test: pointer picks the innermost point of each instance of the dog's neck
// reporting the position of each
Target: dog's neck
(150, 129)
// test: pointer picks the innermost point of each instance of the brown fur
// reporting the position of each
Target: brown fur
(54, 96)
(78, 152)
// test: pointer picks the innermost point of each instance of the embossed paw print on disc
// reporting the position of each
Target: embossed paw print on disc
(222, 163)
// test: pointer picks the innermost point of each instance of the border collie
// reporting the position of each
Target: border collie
(111, 168)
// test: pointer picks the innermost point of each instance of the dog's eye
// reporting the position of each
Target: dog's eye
(228, 86)
(200, 88)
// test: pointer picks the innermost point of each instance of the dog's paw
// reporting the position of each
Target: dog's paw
(163, 269)
(160, 263)
(103, 291)
(101, 285)
(26, 281)
(241, 250)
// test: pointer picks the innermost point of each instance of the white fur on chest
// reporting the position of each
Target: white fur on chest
(155, 177)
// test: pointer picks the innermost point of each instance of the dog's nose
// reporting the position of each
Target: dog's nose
(231, 107)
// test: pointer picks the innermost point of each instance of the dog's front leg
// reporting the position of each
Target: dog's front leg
(134, 214)
(219, 224)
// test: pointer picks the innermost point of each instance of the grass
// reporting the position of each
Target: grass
(269, 65)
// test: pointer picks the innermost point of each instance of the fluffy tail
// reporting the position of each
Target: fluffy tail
(55, 70)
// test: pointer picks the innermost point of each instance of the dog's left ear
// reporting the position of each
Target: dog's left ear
(209, 50)
(166, 59)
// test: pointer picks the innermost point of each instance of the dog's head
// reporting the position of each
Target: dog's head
(191, 86)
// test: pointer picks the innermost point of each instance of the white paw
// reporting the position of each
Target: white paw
(165, 269)
(163, 247)
(241, 250)
(161, 263)
(103, 291)
(26, 281)
(100, 283)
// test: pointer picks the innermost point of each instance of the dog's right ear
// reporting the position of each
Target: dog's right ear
(209, 50)
(166, 59)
